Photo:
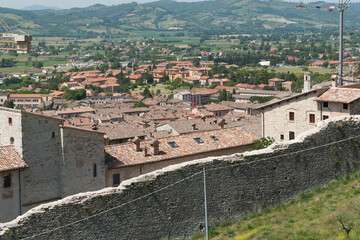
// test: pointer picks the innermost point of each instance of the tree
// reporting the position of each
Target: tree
(263, 143)
(37, 64)
(146, 93)
(75, 94)
(9, 104)
(139, 105)
(222, 96)
(325, 64)
(171, 96)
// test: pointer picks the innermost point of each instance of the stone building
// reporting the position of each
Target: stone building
(131, 159)
(286, 118)
(60, 160)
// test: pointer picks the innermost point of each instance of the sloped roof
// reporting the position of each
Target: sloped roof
(341, 95)
(121, 155)
(10, 160)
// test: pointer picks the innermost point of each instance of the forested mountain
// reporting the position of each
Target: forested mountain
(217, 16)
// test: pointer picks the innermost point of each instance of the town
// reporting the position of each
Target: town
(80, 115)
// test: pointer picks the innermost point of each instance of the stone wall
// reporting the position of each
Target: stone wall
(82, 150)
(169, 202)
(41, 144)
(134, 171)
(9, 197)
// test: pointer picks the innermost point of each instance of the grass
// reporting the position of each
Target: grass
(311, 216)
(161, 87)
(297, 70)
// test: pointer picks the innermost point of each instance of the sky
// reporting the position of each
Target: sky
(65, 4)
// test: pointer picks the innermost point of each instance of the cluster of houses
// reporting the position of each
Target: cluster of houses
(101, 141)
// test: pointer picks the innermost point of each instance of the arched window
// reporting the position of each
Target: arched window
(12, 140)
(95, 170)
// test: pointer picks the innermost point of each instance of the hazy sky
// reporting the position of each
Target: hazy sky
(67, 3)
(83, 3)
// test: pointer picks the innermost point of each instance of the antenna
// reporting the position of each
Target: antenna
(342, 7)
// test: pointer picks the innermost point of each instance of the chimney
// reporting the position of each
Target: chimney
(136, 142)
(222, 124)
(156, 147)
(334, 80)
(106, 140)
(145, 152)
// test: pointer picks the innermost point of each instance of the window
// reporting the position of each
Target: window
(312, 118)
(198, 140)
(12, 140)
(7, 181)
(291, 116)
(345, 106)
(95, 170)
(53, 134)
(173, 144)
(215, 138)
(325, 117)
(116, 179)
(291, 135)
(282, 137)
(325, 104)
(10, 121)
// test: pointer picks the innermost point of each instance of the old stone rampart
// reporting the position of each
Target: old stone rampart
(170, 202)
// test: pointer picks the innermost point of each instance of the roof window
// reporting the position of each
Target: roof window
(214, 138)
(198, 140)
(173, 144)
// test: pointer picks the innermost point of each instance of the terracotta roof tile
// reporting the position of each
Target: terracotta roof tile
(10, 160)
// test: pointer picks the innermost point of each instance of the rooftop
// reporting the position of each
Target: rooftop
(10, 160)
(341, 95)
(122, 155)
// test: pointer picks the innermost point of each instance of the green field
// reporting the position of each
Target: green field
(297, 70)
(311, 216)
(161, 87)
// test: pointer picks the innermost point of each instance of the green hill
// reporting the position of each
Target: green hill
(215, 17)
(312, 216)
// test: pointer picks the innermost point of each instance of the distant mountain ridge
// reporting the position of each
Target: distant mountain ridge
(210, 17)
(40, 7)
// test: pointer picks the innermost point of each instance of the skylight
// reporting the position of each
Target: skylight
(199, 140)
(215, 138)
(173, 144)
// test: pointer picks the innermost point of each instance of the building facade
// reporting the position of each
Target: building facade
(61, 160)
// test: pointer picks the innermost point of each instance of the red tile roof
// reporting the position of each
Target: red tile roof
(245, 85)
(205, 90)
(10, 160)
(226, 88)
(341, 95)
(121, 155)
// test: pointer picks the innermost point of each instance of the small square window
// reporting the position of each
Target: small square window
(173, 144)
(345, 106)
(325, 104)
(199, 140)
(7, 181)
(214, 138)
(116, 179)
(282, 137)
(325, 117)
(312, 118)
